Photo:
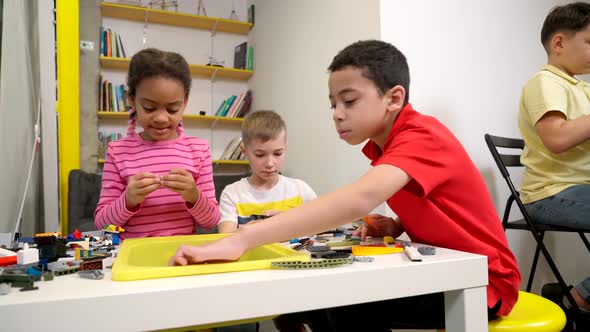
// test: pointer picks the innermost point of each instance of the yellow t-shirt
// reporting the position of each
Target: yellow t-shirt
(546, 173)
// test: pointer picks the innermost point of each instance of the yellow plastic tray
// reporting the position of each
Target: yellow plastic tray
(148, 258)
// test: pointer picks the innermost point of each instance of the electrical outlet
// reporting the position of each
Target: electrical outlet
(86, 45)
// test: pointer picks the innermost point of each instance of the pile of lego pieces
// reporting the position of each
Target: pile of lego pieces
(49, 255)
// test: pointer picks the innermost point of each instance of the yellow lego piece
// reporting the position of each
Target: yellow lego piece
(113, 229)
(372, 251)
(56, 234)
(388, 240)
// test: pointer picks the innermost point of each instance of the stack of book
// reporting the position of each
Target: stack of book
(111, 44)
(234, 106)
(232, 150)
(103, 141)
(113, 97)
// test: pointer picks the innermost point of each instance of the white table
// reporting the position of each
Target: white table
(70, 303)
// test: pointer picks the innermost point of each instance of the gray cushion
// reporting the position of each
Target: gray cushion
(83, 195)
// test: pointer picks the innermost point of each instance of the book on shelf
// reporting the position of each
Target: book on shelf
(229, 104)
(232, 110)
(251, 14)
(250, 61)
(240, 55)
(113, 97)
(111, 44)
(235, 106)
(232, 150)
(103, 142)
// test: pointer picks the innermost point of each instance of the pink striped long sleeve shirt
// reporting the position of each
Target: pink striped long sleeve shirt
(163, 212)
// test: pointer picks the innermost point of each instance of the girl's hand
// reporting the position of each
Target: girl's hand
(379, 226)
(181, 181)
(140, 185)
(224, 250)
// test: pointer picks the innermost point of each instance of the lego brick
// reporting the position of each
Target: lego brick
(91, 274)
(318, 248)
(27, 255)
(372, 251)
(17, 280)
(323, 254)
(66, 271)
(325, 263)
(427, 251)
(91, 265)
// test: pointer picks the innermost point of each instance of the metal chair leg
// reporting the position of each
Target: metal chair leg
(534, 265)
(585, 240)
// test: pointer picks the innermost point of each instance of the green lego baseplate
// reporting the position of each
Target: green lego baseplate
(346, 243)
(320, 264)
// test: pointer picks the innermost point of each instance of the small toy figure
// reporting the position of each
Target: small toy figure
(112, 233)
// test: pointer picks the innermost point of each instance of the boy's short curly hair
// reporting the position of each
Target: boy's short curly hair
(263, 126)
(380, 62)
(569, 19)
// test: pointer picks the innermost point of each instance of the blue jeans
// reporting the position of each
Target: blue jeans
(584, 289)
(571, 208)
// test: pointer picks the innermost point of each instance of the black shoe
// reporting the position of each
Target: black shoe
(583, 322)
(553, 292)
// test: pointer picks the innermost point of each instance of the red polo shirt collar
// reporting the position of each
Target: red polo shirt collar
(372, 150)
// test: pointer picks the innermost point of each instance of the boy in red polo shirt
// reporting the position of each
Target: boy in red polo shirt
(420, 170)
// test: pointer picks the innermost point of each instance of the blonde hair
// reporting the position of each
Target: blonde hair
(263, 126)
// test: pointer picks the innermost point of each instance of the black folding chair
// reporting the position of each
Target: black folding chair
(503, 161)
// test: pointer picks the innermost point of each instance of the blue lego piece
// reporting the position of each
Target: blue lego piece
(26, 239)
(43, 264)
(115, 238)
(34, 272)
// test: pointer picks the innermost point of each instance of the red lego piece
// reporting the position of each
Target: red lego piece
(8, 260)
(91, 265)
(77, 234)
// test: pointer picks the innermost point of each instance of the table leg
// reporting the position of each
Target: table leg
(466, 310)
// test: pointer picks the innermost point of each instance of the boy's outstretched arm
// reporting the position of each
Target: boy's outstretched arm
(342, 206)
(227, 227)
(559, 134)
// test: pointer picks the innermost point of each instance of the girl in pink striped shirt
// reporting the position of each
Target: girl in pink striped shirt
(157, 182)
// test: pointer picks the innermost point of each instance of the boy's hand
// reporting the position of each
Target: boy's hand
(224, 250)
(271, 213)
(181, 181)
(379, 226)
(140, 185)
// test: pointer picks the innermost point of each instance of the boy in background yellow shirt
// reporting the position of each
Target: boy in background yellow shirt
(554, 120)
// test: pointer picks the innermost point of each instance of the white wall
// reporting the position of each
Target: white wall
(294, 43)
(47, 92)
(19, 74)
(468, 61)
